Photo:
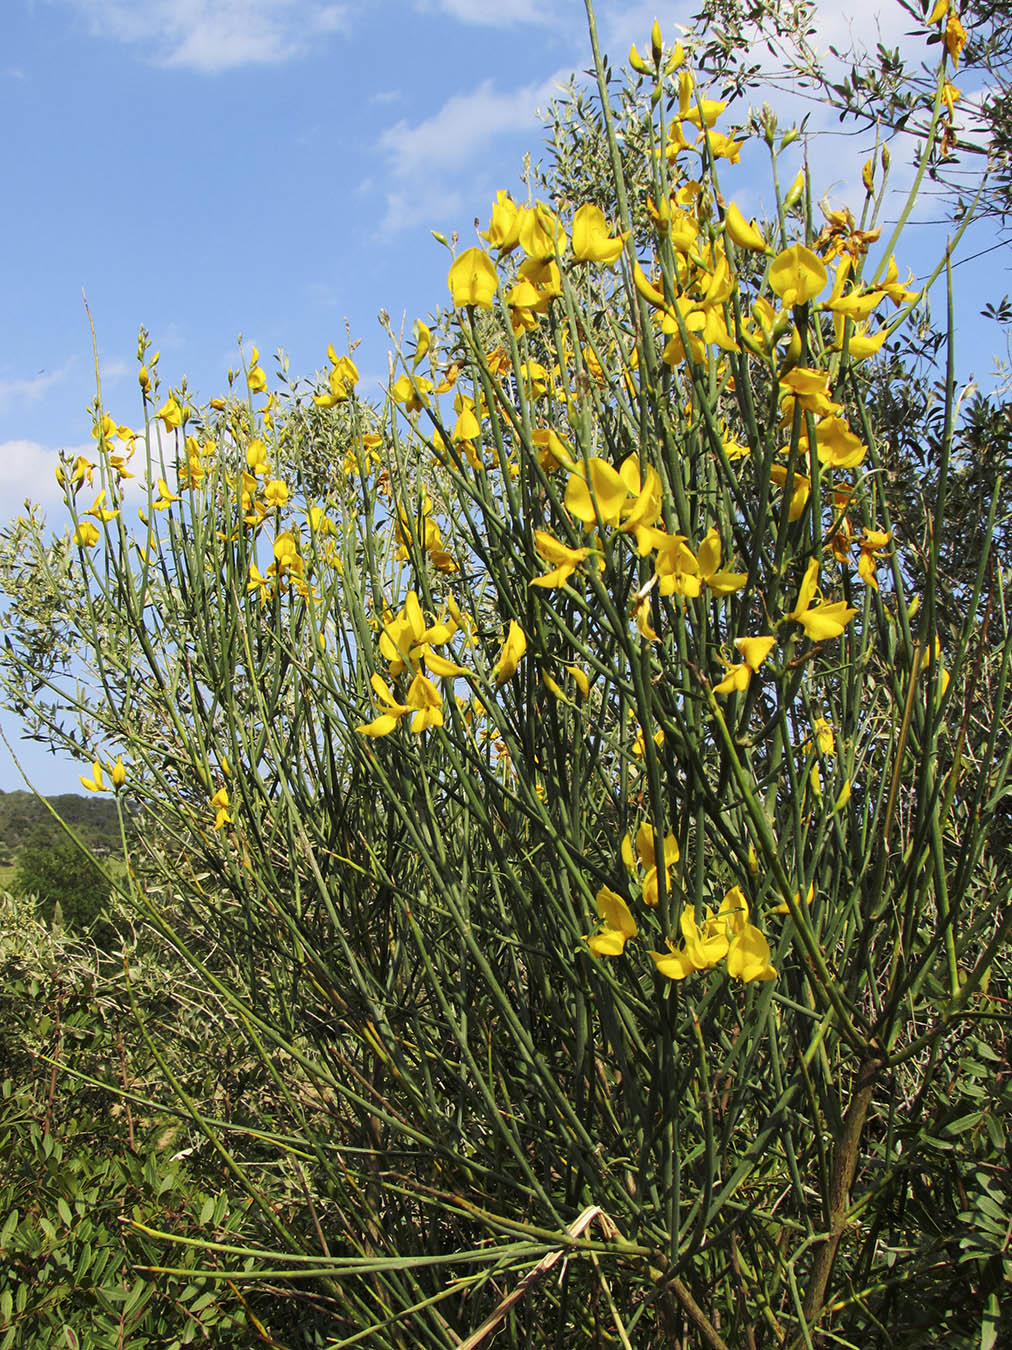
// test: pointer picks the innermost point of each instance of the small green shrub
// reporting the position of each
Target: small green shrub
(62, 875)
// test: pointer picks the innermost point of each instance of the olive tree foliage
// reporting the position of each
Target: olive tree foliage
(877, 85)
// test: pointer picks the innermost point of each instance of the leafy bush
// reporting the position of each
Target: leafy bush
(567, 786)
(65, 881)
(83, 1152)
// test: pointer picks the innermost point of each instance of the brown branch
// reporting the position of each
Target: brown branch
(844, 1168)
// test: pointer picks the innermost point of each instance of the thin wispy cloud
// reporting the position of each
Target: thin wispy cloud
(463, 127)
(210, 36)
(426, 159)
(30, 388)
(503, 14)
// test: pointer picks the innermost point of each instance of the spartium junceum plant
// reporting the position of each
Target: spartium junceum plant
(563, 775)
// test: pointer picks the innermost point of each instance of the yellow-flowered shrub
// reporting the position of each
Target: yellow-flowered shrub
(489, 738)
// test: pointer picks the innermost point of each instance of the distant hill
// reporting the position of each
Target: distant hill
(25, 822)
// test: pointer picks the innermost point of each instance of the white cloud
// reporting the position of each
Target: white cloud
(463, 127)
(493, 13)
(214, 35)
(430, 205)
(425, 158)
(499, 14)
(29, 389)
(28, 472)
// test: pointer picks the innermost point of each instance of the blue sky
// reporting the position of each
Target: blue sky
(263, 167)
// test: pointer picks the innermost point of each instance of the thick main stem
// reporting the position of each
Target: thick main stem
(844, 1167)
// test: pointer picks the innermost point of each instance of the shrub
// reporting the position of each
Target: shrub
(63, 878)
(565, 789)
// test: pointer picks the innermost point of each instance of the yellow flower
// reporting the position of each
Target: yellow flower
(784, 907)
(467, 426)
(402, 635)
(387, 721)
(755, 650)
(702, 945)
(797, 275)
(733, 910)
(539, 281)
(837, 445)
(746, 235)
(748, 956)
(646, 288)
(825, 621)
(702, 112)
(955, 38)
(801, 489)
(261, 585)
(439, 665)
(639, 744)
(100, 511)
(591, 240)
(642, 508)
(342, 379)
(641, 613)
(896, 290)
(735, 681)
(171, 414)
(675, 963)
(319, 521)
(824, 737)
(708, 559)
(646, 852)
(220, 803)
(861, 344)
(256, 457)
(86, 535)
(553, 453)
(808, 389)
(96, 783)
(286, 554)
(81, 471)
(276, 494)
(602, 497)
(503, 230)
(723, 147)
(677, 567)
(617, 924)
(540, 233)
(943, 674)
(512, 653)
(425, 700)
(165, 496)
(580, 678)
(118, 772)
(872, 543)
(856, 305)
(412, 393)
(472, 279)
(566, 559)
